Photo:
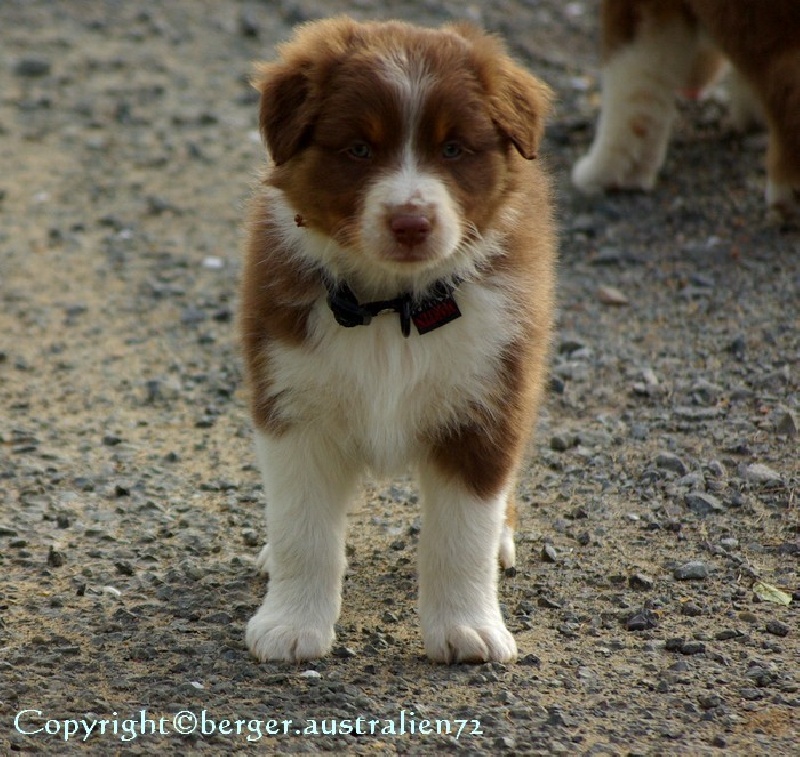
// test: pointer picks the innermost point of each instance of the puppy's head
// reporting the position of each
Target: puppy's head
(398, 143)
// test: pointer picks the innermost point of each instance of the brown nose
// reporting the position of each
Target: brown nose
(410, 229)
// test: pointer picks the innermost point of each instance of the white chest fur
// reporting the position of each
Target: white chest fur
(374, 393)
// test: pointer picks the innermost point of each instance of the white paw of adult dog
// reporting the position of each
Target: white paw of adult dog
(273, 636)
(464, 642)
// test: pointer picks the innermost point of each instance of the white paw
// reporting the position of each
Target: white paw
(262, 561)
(783, 202)
(507, 553)
(592, 174)
(461, 642)
(270, 637)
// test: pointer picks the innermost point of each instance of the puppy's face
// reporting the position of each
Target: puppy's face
(397, 143)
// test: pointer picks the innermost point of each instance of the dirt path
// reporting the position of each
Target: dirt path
(130, 510)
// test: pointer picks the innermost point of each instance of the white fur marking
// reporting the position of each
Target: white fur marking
(307, 490)
(458, 548)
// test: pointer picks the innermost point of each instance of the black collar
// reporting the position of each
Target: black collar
(436, 309)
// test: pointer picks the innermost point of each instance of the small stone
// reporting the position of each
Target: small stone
(343, 652)
(641, 621)
(674, 644)
(728, 634)
(702, 503)
(248, 25)
(694, 570)
(397, 546)
(786, 423)
(250, 537)
(738, 347)
(751, 695)
(671, 462)
(692, 647)
(124, 568)
(777, 628)
(562, 441)
(609, 295)
(549, 603)
(56, 558)
(691, 610)
(709, 701)
(758, 473)
(697, 414)
(32, 66)
(640, 582)
(549, 553)
(705, 393)
(558, 718)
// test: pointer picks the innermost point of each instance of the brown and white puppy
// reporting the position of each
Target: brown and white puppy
(401, 192)
(651, 48)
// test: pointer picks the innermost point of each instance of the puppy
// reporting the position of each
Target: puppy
(653, 47)
(396, 311)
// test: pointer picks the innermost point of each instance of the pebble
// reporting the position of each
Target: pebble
(250, 537)
(641, 621)
(32, 66)
(671, 462)
(549, 553)
(786, 423)
(777, 628)
(640, 582)
(703, 504)
(55, 558)
(609, 295)
(693, 570)
(761, 474)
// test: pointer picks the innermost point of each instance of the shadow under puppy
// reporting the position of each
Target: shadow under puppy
(397, 307)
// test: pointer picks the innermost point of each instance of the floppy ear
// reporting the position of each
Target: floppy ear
(518, 102)
(287, 112)
(519, 106)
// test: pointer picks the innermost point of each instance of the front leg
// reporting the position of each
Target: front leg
(639, 82)
(308, 486)
(458, 573)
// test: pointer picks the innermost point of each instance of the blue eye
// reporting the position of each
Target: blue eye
(452, 150)
(360, 151)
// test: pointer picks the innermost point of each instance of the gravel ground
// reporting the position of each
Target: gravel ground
(663, 483)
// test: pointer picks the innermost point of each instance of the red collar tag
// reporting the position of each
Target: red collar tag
(435, 311)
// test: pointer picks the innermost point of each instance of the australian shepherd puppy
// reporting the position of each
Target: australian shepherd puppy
(651, 48)
(396, 311)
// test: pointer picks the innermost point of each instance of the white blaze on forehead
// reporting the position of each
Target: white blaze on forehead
(412, 81)
(407, 182)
